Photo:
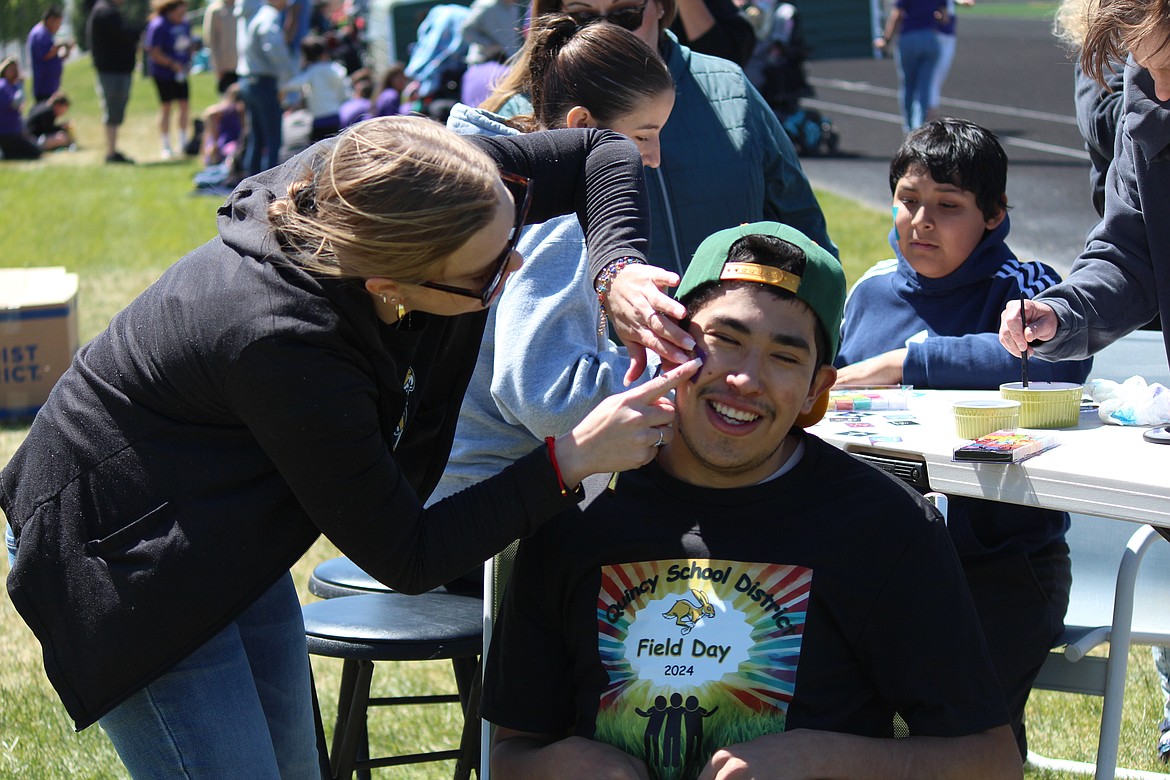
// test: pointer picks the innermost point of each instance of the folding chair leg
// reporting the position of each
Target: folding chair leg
(469, 741)
(466, 671)
(1118, 663)
(349, 672)
(319, 730)
(1115, 671)
(352, 702)
(363, 751)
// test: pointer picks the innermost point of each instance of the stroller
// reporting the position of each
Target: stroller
(782, 52)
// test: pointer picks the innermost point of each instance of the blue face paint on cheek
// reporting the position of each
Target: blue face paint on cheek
(894, 211)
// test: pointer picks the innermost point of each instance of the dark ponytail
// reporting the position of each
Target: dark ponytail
(600, 66)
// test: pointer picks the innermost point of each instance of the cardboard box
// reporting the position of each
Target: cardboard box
(38, 335)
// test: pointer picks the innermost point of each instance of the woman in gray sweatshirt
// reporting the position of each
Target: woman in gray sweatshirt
(545, 359)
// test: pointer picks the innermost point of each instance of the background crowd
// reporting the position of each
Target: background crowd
(287, 74)
(287, 97)
(286, 102)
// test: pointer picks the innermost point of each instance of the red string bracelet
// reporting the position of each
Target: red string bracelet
(551, 441)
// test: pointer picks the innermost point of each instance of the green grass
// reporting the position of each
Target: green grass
(119, 228)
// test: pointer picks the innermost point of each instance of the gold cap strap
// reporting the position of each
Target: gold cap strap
(764, 274)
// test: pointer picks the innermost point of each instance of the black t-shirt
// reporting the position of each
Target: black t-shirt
(41, 120)
(113, 43)
(671, 620)
(732, 37)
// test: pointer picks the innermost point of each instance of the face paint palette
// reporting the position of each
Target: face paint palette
(870, 399)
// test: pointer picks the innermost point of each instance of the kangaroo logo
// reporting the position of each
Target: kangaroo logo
(686, 614)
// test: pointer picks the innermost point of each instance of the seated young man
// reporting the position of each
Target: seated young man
(754, 600)
(930, 318)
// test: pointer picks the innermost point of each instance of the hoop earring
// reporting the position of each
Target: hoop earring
(383, 297)
(399, 310)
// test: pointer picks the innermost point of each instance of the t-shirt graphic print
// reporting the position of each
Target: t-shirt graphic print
(699, 654)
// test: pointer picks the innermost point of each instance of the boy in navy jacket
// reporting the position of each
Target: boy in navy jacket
(930, 317)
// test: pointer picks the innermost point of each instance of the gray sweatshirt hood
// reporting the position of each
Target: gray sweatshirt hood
(466, 120)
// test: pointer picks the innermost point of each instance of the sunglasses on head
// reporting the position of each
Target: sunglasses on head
(521, 189)
(628, 17)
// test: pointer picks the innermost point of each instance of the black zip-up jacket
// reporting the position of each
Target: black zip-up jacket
(239, 408)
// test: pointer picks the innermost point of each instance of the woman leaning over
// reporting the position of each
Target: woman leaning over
(299, 374)
(1121, 281)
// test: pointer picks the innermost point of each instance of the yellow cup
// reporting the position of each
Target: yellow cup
(1045, 404)
(978, 418)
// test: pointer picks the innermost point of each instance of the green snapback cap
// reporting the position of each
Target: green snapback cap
(821, 286)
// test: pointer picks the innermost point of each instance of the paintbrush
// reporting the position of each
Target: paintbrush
(1024, 354)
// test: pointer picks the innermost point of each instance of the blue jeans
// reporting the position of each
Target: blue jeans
(264, 123)
(917, 56)
(239, 706)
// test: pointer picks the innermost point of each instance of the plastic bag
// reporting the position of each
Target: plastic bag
(1132, 402)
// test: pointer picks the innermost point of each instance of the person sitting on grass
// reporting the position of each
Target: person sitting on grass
(44, 123)
(753, 602)
(359, 105)
(930, 318)
(15, 142)
(223, 126)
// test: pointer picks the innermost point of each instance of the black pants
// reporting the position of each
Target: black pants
(1021, 600)
(17, 147)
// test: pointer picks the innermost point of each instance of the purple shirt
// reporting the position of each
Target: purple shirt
(231, 127)
(919, 14)
(46, 73)
(175, 42)
(354, 110)
(387, 103)
(479, 80)
(10, 95)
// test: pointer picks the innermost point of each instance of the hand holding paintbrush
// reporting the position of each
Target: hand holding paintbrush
(1035, 317)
